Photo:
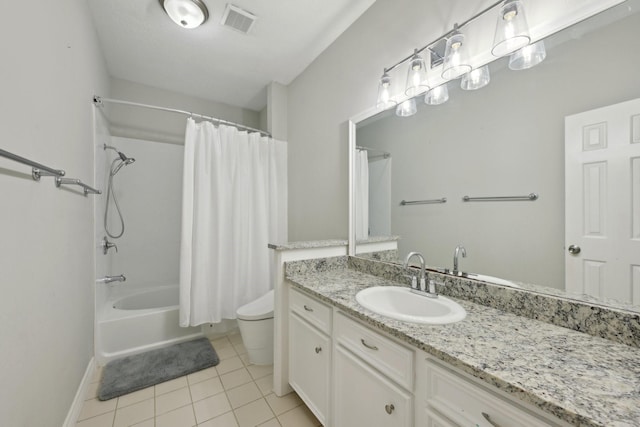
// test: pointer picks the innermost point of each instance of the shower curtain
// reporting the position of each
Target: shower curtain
(234, 203)
(361, 184)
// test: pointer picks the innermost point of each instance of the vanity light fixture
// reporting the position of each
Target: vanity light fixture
(416, 76)
(407, 108)
(385, 100)
(186, 13)
(527, 57)
(476, 79)
(512, 31)
(455, 56)
(438, 95)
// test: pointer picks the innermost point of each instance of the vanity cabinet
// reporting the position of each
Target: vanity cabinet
(310, 352)
(373, 378)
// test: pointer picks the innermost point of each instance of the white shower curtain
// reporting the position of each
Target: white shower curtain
(234, 203)
(362, 195)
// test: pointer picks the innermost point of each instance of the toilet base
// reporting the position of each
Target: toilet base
(257, 337)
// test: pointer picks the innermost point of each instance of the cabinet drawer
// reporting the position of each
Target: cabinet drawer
(390, 358)
(311, 310)
(466, 403)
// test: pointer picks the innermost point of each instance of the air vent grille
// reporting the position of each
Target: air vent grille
(238, 19)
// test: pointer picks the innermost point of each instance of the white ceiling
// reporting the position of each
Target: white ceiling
(143, 45)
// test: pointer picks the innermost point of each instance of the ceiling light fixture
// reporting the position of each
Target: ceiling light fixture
(384, 92)
(455, 57)
(528, 56)
(512, 31)
(437, 95)
(186, 13)
(476, 79)
(417, 76)
(407, 108)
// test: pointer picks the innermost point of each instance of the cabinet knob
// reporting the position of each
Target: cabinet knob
(318, 349)
(307, 308)
(389, 408)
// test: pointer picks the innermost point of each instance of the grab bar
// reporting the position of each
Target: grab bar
(530, 197)
(423, 202)
(72, 181)
(38, 169)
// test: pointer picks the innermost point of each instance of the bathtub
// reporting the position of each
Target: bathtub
(134, 320)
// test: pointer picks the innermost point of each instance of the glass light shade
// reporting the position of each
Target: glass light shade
(186, 13)
(512, 31)
(527, 57)
(438, 95)
(416, 76)
(384, 93)
(476, 79)
(407, 108)
(455, 57)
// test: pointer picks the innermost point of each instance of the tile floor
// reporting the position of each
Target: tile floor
(233, 394)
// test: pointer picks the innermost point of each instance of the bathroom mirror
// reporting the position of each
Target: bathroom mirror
(506, 139)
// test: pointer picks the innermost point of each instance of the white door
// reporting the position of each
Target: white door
(602, 208)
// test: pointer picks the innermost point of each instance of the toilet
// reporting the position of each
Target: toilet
(255, 320)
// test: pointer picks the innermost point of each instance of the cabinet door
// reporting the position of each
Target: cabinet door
(363, 397)
(310, 365)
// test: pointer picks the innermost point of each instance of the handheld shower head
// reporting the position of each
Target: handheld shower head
(123, 157)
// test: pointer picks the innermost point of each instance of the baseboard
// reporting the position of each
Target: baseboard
(78, 400)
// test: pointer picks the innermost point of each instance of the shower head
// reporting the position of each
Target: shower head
(129, 160)
(123, 157)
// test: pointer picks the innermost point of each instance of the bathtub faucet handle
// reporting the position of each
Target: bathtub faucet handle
(105, 244)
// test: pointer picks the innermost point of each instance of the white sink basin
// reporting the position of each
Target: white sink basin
(402, 304)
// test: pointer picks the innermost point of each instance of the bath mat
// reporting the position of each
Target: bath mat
(143, 370)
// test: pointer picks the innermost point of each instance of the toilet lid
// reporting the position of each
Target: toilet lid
(260, 309)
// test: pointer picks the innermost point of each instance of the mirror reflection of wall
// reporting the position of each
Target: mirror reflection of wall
(502, 140)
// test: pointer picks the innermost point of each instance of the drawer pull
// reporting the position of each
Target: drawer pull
(307, 308)
(389, 408)
(370, 347)
(318, 350)
(489, 420)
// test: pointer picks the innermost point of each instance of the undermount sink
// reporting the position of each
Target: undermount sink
(401, 304)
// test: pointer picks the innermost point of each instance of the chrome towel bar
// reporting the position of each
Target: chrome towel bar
(423, 202)
(529, 197)
(38, 169)
(72, 181)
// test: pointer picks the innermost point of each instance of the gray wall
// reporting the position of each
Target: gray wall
(52, 66)
(153, 125)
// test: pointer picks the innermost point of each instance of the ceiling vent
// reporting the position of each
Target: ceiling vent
(238, 19)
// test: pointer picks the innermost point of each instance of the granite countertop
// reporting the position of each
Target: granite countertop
(584, 380)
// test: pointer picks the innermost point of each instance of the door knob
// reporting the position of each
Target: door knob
(574, 250)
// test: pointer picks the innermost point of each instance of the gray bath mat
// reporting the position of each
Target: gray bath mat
(143, 370)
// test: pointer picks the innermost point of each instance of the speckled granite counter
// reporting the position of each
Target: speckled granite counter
(579, 378)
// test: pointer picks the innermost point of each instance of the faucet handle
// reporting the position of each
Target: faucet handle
(414, 281)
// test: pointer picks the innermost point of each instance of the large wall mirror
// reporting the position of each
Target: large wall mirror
(508, 139)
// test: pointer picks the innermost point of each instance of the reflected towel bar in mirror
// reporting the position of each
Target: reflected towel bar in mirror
(423, 202)
(530, 197)
(37, 171)
(72, 181)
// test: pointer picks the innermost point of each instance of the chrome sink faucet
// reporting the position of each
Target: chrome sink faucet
(459, 250)
(423, 270)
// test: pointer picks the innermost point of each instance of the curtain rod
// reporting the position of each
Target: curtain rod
(99, 101)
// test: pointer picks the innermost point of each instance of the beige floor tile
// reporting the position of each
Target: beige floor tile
(259, 371)
(221, 343)
(225, 420)
(239, 347)
(228, 365)
(92, 391)
(93, 407)
(254, 413)
(148, 423)
(271, 423)
(168, 386)
(298, 417)
(202, 375)
(181, 417)
(265, 384)
(243, 394)
(172, 400)
(133, 414)
(245, 359)
(206, 388)
(97, 374)
(280, 405)
(226, 352)
(235, 378)
(104, 420)
(211, 407)
(136, 396)
(235, 338)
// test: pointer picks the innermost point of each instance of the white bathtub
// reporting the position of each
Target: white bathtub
(137, 320)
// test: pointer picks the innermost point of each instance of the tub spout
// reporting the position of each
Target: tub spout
(109, 279)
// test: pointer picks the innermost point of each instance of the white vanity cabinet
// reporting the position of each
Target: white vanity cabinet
(310, 352)
(373, 378)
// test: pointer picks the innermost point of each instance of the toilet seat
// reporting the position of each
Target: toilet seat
(260, 309)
